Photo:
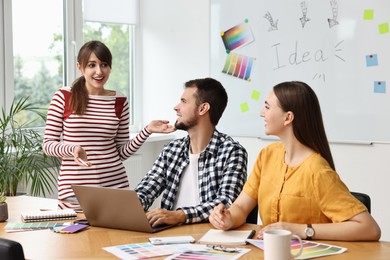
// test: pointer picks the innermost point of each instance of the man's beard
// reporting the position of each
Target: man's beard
(184, 126)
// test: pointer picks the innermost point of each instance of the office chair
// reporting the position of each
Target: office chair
(10, 250)
(252, 217)
(364, 198)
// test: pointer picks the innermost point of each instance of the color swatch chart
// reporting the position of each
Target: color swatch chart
(237, 36)
(172, 251)
(238, 65)
(148, 250)
(311, 249)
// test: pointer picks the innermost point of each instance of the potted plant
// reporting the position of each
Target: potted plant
(3, 208)
(21, 157)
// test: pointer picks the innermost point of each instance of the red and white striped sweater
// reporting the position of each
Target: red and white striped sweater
(103, 132)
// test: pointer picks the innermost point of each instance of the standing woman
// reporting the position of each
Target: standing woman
(294, 181)
(88, 127)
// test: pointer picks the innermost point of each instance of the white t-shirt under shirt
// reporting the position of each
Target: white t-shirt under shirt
(188, 193)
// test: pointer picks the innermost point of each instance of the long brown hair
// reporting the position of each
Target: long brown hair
(308, 126)
(79, 93)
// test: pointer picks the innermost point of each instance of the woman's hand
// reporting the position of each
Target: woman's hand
(80, 156)
(160, 126)
(221, 218)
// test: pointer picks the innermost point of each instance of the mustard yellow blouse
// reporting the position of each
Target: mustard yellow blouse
(308, 193)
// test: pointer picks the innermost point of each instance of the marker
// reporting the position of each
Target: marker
(82, 161)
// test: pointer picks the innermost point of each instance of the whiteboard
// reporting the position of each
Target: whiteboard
(340, 48)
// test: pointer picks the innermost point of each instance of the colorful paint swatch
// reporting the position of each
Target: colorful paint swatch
(368, 14)
(255, 95)
(380, 87)
(237, 36)
(310, 250)
(239, 66)
(146, 250)
(244, 107)
(383, 28)
(372, 60)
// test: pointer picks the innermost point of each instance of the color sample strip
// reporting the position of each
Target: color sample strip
(248, 69)
(239, 66)
(233, 63)
(237, 36)
(243, 68)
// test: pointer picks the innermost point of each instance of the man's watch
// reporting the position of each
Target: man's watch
(309, 231)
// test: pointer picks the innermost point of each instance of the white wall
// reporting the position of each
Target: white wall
(175, 48)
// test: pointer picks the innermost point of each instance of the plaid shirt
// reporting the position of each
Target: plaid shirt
(222, 174)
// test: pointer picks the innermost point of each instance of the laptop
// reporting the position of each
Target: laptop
(114, 208)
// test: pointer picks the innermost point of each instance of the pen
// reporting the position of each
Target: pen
(82, 161)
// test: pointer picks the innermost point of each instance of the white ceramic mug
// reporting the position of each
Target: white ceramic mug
(277, 245)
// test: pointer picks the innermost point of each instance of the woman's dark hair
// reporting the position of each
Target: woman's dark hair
(79, 95)
(308, 126)
(210, 91)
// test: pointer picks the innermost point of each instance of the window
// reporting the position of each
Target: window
(119, 39)
(41, 41)
(37, 50)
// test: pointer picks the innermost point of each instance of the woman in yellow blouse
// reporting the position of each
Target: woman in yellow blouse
(294, 181)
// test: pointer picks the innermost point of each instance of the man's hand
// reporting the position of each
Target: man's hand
(162, 216)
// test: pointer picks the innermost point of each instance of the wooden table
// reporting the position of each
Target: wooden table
(46, 244)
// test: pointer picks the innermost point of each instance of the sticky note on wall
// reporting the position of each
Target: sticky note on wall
(372, 60)
(383, 28)
(368, 14)
(380, 86)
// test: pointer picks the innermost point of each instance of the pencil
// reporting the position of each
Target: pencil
(82, 161)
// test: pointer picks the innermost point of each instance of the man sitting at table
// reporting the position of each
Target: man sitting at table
(197, 172)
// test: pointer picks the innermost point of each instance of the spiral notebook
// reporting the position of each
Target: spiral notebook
(38, 216)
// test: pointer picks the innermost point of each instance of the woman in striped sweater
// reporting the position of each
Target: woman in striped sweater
(88, 127)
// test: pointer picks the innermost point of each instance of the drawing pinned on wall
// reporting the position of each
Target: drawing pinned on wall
(273, 24)
(239, 66)
(304, 19)
(335, 10)
(380, 87)
(237, 36)
(383, 28)
(368, 14)
(372, 60)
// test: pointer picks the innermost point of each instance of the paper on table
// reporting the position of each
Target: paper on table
(229, 237)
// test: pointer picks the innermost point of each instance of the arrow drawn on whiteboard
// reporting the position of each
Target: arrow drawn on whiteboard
(319, 76)
(274, 24)
(335, 11)
(337, 45)
(304, 18)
